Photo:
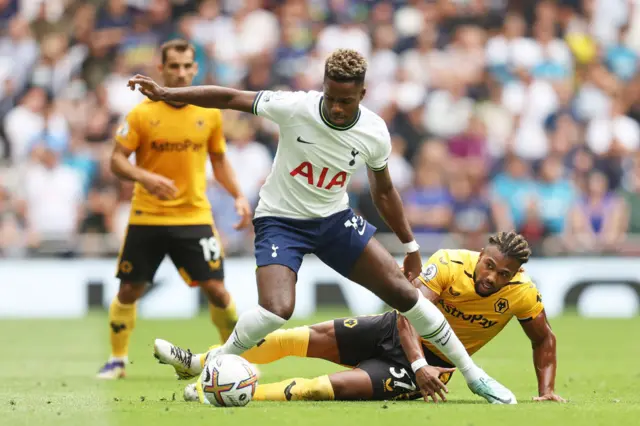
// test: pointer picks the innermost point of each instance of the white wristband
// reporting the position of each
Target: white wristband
(411, 247)
(418, 364)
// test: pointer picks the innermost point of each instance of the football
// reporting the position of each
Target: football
(228, 381)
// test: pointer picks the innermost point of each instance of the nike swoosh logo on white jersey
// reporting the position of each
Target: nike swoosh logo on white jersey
(303, 141)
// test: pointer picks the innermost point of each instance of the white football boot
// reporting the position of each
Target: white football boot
(491, 390)
(186, 364)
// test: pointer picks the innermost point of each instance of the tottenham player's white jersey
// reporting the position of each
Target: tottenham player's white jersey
(315, 159)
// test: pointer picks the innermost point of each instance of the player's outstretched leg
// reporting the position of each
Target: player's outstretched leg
(378, 271)
(317, 341)
(351, 385)
(222, 308)
(122, 320)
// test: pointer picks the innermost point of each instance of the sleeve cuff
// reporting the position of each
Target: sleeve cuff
(379, 169)
(254, 107)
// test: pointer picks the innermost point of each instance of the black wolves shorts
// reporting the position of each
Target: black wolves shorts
(372, 343)
(194, 249)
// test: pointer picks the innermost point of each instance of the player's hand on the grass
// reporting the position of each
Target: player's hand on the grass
(147, 87)
(412, 265)
(549, 397)
(244, 211)
(159, 186)
(428, 380)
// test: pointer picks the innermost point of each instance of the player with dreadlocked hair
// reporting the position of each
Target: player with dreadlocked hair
(478, 294)
(512, 245)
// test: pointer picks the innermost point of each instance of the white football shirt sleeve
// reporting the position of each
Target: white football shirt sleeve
(380, 156)
(278, 107)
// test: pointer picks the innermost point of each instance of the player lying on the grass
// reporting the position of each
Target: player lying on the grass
(477, 292)
(304, 206)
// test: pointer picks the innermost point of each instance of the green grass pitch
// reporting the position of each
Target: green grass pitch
(47, 378)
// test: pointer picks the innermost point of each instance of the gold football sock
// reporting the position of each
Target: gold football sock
(122, 320)
(277, 345)
(224, 319)
(280, 344)
(318, 389)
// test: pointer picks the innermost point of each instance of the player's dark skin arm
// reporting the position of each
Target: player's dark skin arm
(431, 295)
(225, 175)
(389, 205)
(543, 342)
(202, 96)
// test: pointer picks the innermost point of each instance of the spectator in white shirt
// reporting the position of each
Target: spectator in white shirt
(232, 41)
(25, 122)
(550, 53)
(409, 20)
(53, 200)
(120, 98)
(614, 134)
(501, 49)
(244, 150)
(448, 111)
(18, 54)
(347, 35)
(531, 101)
(384, 61)
(423, 63)
(593, 99)
(607, 18)
(260, 30)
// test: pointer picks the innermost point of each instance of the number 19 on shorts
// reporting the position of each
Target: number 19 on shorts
(210, 248)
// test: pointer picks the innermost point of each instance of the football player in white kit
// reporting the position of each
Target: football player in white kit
(304, 209)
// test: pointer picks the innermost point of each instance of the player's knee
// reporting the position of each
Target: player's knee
(283, 311)
(281, 308)
(404, 296)
(130, 292)
(276, 290)
(341, 389)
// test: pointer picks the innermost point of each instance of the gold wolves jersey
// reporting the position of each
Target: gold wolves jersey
(175, 143)
(476, 319)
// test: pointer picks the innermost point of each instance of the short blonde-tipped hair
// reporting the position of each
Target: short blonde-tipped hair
(345, 65)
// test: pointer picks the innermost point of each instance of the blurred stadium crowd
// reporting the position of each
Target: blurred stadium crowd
(503, 114)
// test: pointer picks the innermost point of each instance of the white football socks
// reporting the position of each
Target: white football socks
(252, 327)
(431, 324)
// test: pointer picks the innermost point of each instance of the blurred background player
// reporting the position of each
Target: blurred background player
(324, 138)
(170, 214)
(479, 293)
